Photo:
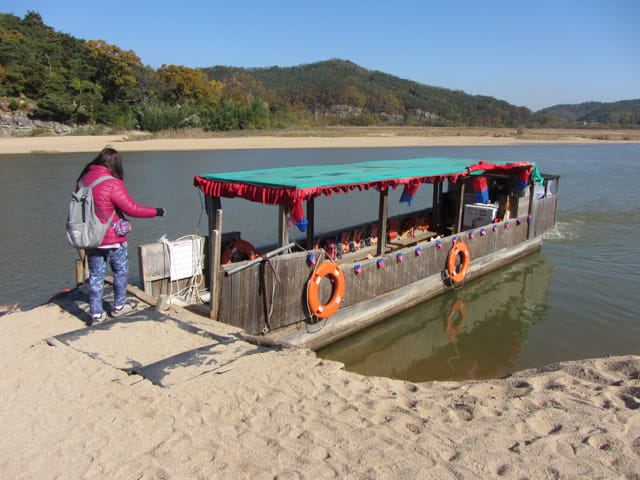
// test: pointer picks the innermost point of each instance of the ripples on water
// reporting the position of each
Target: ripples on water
(575, 299)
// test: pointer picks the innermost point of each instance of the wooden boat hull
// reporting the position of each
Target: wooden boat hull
(355, 317)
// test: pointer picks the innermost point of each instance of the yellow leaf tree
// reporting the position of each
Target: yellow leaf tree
(114, 69)
(188, 84)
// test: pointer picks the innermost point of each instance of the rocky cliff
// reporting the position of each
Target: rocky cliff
(15, 124)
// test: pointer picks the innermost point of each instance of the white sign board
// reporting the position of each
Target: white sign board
(183, 257)
(478, 215)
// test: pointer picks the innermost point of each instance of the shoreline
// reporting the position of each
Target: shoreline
(82, 403)
(320, 138)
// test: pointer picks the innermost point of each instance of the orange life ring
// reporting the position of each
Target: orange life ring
(458, 274)
(452, 332)
(59, 294)
(319, 310)
(241, 246)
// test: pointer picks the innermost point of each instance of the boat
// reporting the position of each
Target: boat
(331, 284)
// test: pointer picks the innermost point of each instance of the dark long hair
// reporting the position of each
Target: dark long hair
(110, 158)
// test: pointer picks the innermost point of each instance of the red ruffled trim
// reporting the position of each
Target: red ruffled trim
(492, 167)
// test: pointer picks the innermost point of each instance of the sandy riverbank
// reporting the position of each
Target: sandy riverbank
(240, 411)
(321, 138)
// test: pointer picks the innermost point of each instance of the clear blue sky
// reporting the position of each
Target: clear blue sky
(533, 53)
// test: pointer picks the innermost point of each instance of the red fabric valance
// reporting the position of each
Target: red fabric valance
(293, 197)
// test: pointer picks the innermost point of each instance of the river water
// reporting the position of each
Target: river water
(576, 298)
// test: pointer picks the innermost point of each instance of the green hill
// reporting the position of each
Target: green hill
(347, 93)
(624, 113)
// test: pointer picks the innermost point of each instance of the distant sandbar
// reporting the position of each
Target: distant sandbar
(367, 137)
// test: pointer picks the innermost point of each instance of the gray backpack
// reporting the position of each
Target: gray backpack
(84, 228)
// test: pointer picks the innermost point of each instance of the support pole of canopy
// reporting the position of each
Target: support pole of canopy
(440, 188)
(546, 191)
(460, 206)
(283, 226)
(436, 207)
(382, 221)
(311, 219)
(532, 205)
(215, 245)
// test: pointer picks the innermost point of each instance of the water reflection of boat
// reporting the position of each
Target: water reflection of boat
(475, 332)
(334, 283)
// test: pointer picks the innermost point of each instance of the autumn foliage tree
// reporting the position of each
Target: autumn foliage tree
(186, 84)
(113, 68)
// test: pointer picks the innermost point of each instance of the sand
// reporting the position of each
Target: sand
(174, 395)
(119, 142)
(323, 138)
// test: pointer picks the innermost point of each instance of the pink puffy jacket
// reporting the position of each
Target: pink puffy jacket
(110, 194)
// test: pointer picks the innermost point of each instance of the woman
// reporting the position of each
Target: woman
(108, 196)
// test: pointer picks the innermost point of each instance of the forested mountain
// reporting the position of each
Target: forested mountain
(51, 75)
(344, 92)
(625, 113)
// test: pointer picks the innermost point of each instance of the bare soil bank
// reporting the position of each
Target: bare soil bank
(331, 137)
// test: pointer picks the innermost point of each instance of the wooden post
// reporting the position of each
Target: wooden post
(213, 205)
(311, 219)
(215, 246)
(382, 221)
(214, 272)
(82, 267)
(532, 205)
(283, 226)
(555, 210)
(460, 207)
(85, 263)
(439, 201)
(79, 272)
(436, 207)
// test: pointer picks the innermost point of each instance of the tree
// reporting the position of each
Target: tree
(150, 86)
(260, 114)
(114, 70)
(155, 117)
(186, 84)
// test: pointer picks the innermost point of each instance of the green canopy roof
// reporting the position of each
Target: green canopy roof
(347, 174)
(290, 186)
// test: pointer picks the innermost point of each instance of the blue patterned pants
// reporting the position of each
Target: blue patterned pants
(119, 261)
